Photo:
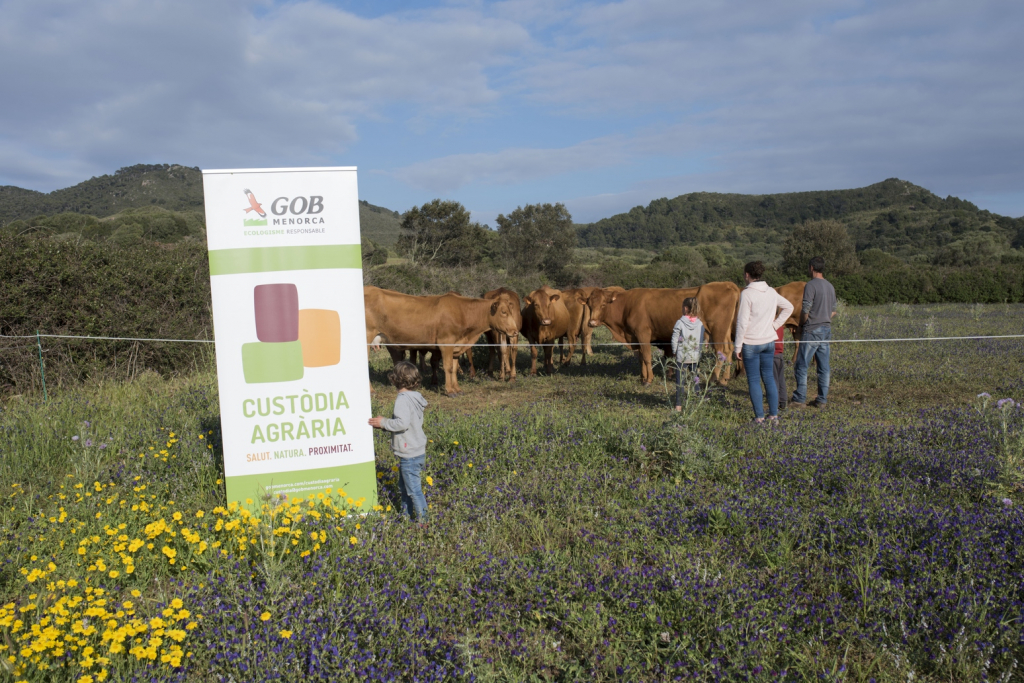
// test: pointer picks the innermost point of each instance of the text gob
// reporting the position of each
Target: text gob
(297, 205)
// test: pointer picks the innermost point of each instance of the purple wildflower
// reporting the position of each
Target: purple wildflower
(984, 394)
(75, 437)
(88, 442)
(1007, 503)
(1004, 401)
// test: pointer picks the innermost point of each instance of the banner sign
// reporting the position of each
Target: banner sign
(287, 284)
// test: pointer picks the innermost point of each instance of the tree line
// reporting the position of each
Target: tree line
(532, 238)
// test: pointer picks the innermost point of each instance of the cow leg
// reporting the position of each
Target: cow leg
(472, 368)
(502, 354)
(512, 354)
(549, 353)
(718, 348)
(533, 360)
(494, 338)
(730, 353)
(588, 331)
(571, 345)
(435, 361)
(646, 369)
(451, 371)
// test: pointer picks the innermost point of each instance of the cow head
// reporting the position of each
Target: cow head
(543, 300)
(503, 315)
(598, 301)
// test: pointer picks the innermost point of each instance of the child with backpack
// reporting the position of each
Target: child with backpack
(687, 340)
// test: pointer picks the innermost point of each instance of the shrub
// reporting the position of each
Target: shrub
(62, 287)
(827, 239)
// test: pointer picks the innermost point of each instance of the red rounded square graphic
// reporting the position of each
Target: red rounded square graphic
(277, 312)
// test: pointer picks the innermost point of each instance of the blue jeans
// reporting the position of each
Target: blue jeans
(685, 376)
(758, 360)
(410, 475)
(813, 343)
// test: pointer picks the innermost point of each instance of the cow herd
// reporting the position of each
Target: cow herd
(448, 326)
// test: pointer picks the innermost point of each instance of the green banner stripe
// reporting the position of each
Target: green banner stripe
(358, 480)
(269, 259)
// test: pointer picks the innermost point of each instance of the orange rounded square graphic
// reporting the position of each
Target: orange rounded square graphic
(320, 336)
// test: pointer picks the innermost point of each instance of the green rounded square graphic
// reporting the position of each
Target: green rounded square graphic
(272, 362)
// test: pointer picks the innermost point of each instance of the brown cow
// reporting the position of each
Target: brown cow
(642, 317)
(794, 294)
(509, 346)
(575, 304)
(449, 323)
(581, 295)
(546, 319)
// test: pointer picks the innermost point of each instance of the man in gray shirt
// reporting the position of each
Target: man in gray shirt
(819, 306)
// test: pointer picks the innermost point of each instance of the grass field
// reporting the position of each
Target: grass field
(580, 531)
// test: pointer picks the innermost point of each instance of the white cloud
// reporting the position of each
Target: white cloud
(777, 96)
(221, 83)
(513, 166)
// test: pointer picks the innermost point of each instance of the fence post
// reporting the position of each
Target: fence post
(42, 368)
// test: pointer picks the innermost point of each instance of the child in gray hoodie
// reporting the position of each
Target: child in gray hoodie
(408, 442)
(687, 340)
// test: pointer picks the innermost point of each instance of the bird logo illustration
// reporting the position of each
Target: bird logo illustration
(254, 205)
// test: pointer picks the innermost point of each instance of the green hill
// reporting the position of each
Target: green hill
(144, 194)
(895, 216)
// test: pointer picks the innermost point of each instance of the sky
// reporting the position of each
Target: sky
(600, 105)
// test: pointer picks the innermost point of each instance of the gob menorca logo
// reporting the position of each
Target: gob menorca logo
(303, 210)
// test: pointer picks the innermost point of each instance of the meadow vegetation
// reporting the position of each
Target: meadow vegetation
(580, 530)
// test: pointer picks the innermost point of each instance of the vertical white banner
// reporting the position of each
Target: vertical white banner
(287, 286)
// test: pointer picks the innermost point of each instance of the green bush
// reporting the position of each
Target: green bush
(58, 286)
(928, 284)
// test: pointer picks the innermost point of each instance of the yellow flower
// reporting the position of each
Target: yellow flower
(265, 616)
(469, 465)
(430, 481)
(285, 633)
(114, 573)
(136, 593)
(176, 603)
(353, 540)
(455, 442)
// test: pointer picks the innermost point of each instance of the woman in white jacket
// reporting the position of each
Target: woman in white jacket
(756, 325)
